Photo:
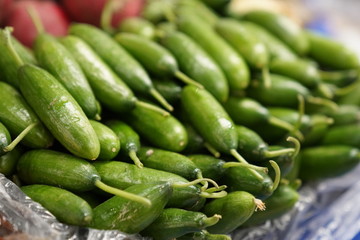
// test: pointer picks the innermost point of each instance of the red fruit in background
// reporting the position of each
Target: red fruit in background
(52, 16)
(89, 11)
(5, 7)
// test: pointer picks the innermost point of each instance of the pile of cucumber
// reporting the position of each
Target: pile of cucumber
(186, 123)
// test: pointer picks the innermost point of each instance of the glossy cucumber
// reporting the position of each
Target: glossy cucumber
(26, 54)
(5, 138)
(9, 161)
(242, 40)
(59, 111)
(321, 162)
(139, 26)
(162, 131)
(210, 166)
(123, 175)
(176, 222)
(123, 64)
(67, 207)
(169, 161)
(56, 59)
(197, 64)
(16, 115)
(235, 209)
(232, 64)
(330, 53)
(130, 217)
(109, 141)
(108, 88)
(282, 27)
(280, 202)
(171, 90)
(343, 135)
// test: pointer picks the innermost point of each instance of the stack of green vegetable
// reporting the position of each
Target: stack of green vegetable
(241, 94)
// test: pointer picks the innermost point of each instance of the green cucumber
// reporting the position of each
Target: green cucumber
(171, 90)
(67, 207)
(130, 217)
(122, 63)
(16, 115)
(56, 59)
(109, 141)
(210, 166)
(204, 235)
(26, 54)
(5, 138)
(197, 64)
(175, 222)
(59, 111)
(139, 26)
(9, 161)
(344, 135)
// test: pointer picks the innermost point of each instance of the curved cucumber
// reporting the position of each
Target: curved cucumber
(139, 26)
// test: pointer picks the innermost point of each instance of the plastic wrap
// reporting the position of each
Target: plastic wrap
(327, 209)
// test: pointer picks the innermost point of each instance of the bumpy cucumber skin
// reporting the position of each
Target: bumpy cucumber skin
(250, 145)
(235, 208)
(108, 88)
(57, 169)
(5, 138)
(197, 64)
(321, 162)
(331, 53)
(16, 115)
(156, 59)
(165, 132)
(282, 27)
(9, 160)
(59, 111)
(168, 161)
(67, 207)
(132, 217)
(281, 201)
(56, 59)
(211, 167)
(232, 64)
(123, 175)
(139, 26)
(109, 141)
(209, 118)
(123, 64)
(173, 223)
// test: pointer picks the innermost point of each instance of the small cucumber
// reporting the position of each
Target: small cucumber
(175, 222)
(157, 11)
(59, 111)
(343, 135)
(235, 209)
(198, 8)
(346, 115)
(165, 132)
(67, 207)
(171, 90)
(197, 64)
(65, 171)
(169, 161)
(232, 64)
(282, 27)
(109, 141)
(211, 167)
(16, 115)
(330, 53)
(321, 162)
(130, 217)
(9, 161)
(280, 202)
(139, 26)
(5, 138)
(122, 63)
(129, 139)
(56, 59)
(26, 54)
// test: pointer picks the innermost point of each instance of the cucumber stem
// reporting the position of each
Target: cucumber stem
(20, 137)
(212, 150)
(275, 153)
(259, 205)
(325, 90)
(322, 101)
(152, 107)
(183, 77)
(35, 18)
(204, 183)
(242, 160)
(210, 221)
(266, 77)
(216, 189)
(136, 160)
(347, 89)
(6, 37)
(97, 117)
(247, 165)
(194, 182)
(285, 125)
(153, 92)
(106, 15)
(277, 179)
(297, 145)
(213, 195)
(121, 193)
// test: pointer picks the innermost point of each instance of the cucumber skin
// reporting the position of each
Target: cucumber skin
(5, 138)
(132, 217)
(9, 160)
(56, 59)
(57, 169)
(59, 111)
(67, 207)
(16, 115)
